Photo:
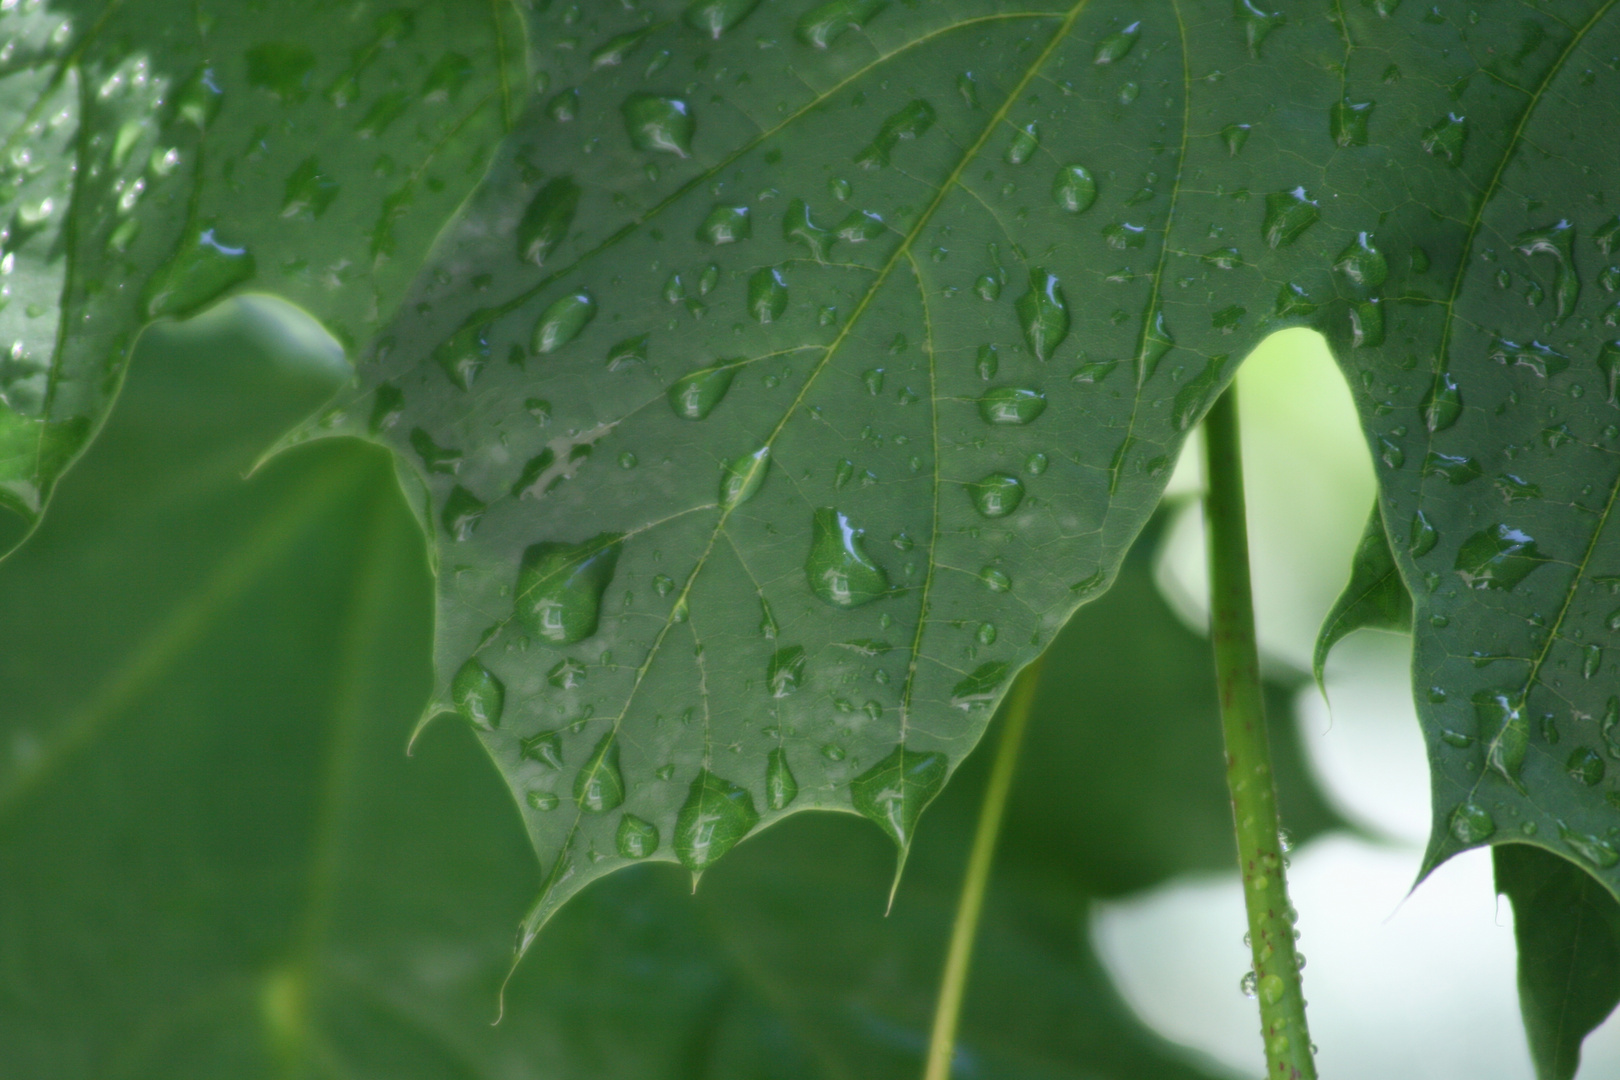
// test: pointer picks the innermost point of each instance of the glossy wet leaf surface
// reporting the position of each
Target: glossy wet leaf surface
(158, 156)
(958, 303)
(219, 861)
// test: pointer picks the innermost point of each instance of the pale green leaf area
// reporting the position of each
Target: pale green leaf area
(156, 156)
(785, 387)
(216, 860)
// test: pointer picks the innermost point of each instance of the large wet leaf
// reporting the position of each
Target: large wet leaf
(799, 369)
(157, 156)
(219, 863)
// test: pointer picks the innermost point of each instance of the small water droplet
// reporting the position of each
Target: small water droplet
(659, 124)
(786, 671)
(479, 696)
(462, 512)
(599, 786)
(1443, 403)
(1454, 468)
(1074, 189)
(1593, 850)
(562, 321)
(1043, 313)
(1506, 731)
(1362, 264)
(1472, 823)
(997, 495)
(200, 272)
(564, 105)
(910, 121)
(1247, 984)
(995, 580)
(1444, 139)
(988, 362)
(797, 225)
(1347, 122)
(822, 25)
(715, 17)
(635, 838)
(767, 295)
(1585, 766)
(780, 786)
(547, 220)
(1011, 405)
(1288, 215)
(741, 478)
(1025, 142)
(726, 225)
(1558, 241)
(1422, 536)
(693, 396)
(1115, 47)
(988, 286)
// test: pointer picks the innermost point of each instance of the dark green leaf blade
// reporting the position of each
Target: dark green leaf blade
(1568, 930)
(1375, 598)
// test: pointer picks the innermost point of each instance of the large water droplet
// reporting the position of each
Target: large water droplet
(767, 295)
(635, 838)
(435, 458)
(1505, 730)
(726, 225)
(837, 567)
(1593, 850)
(1156, 342)
(780, 786)
(910, 121)
(1471, 823)
(1234, 136)
(308, 191)
(786, 671)
(1043, 313)
(1586, 766)
(894, 792)
(1074, 189)
(716, 814)
(715, 17)
(562, 321)
(1288, 215)
(826, 23)
(1362, 264)
(741, 478)
(1011, 405)
(546, 221)
(560, 585)
(997, 495)
(1497, 558)
(544, 747)
(200, 272)
(1445, 138)
(859, 226)
(1608, 362)
(1443, 403)
(479, 696)
(662, 124)
(693, 396)
(1115, 47)
(599, 785)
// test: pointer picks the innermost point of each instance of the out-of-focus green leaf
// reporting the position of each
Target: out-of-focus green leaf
(155, 156)
(1568, 930)
(216, 861)
(1375, 598)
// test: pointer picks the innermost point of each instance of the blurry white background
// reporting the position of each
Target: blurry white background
(1401, 987)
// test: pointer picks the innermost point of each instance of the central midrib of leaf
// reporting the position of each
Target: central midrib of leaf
(562, 865)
